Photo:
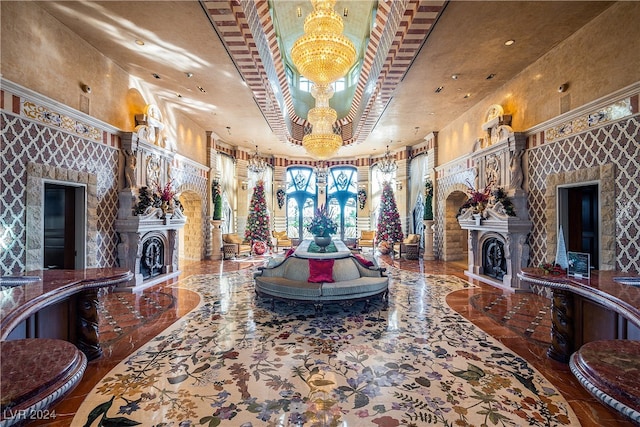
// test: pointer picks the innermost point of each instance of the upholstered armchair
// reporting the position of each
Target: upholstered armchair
(232, 246)
(281, 240)
(367, 239)
(410, 246)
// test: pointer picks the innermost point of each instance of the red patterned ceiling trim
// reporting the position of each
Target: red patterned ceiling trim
(416, 23)
(231, 21)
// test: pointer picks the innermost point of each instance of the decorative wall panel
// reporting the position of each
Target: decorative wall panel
(25, 141)
(618, 144)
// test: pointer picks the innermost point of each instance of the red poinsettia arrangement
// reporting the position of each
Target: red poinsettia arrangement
(477, 199)
(167, 193)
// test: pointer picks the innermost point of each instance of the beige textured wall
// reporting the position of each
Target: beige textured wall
(45, 56)
(600, 58)
(40, 53)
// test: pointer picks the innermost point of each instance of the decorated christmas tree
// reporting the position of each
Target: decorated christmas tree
(258, 219)
(389, 226)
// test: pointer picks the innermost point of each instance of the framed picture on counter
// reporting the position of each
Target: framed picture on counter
(579, 265)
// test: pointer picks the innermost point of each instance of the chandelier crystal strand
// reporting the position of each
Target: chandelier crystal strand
(322, 143)
(256, 163)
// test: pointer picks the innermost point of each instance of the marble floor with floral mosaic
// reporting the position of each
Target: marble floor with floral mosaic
(203, 350)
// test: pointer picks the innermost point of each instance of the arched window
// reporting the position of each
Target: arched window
(342, 189)
(301, 200)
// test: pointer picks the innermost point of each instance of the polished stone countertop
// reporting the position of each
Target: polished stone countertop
(23, 295)
(600, 287)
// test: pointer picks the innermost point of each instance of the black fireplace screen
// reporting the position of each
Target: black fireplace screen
(494, 264)
(152, 257)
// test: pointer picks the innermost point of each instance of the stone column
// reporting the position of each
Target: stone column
(216, 239)
(428, 240)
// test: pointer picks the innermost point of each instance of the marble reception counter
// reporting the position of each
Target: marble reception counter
(23, 296)
(600, 308)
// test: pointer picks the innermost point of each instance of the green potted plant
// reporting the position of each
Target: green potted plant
(217, 200)
(428, 200)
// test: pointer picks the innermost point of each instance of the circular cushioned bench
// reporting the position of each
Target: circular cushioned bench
(35, 373)
(352, 281)
(609, 370)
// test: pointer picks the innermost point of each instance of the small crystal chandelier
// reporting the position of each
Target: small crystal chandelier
(256, 163)
(388, 164)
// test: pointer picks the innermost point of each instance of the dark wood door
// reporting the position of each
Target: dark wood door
(59, 226)
(583, 221)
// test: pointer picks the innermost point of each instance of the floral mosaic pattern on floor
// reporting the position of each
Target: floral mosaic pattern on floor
(232, 361)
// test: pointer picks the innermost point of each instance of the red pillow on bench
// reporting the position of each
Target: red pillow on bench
(320, 270)
(363, 260)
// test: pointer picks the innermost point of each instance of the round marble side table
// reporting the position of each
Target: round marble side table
(609, 370)
(35, 373)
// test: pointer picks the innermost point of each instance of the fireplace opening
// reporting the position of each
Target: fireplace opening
(494, 261)
(152, 259)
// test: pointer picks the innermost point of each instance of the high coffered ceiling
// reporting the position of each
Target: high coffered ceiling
(183, 38)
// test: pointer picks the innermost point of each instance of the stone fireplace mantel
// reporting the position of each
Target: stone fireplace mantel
(148, 240)
(498, 242)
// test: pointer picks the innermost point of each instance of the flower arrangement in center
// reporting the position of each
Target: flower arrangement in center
(322, 225)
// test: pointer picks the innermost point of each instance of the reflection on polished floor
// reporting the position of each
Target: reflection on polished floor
(521, 322)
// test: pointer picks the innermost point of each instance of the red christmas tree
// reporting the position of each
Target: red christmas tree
(389, 226)
(258, 219)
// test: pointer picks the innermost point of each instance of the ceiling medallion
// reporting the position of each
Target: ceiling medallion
(388, 164)
(323, 55)
(256, 163)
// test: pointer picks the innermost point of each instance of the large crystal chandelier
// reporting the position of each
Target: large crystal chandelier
(323, 55)
(256, 163)
(388, 164)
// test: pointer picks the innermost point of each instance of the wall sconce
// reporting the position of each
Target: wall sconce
(399, 185)
(244, 185)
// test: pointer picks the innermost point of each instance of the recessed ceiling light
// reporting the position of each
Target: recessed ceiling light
(189, 75)
(490, 76)
(467, 95)
(140, 42)
(454, 76)
(439, 89)
(509, 42)
(201, 89)
(178, 95)
(156, 75)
